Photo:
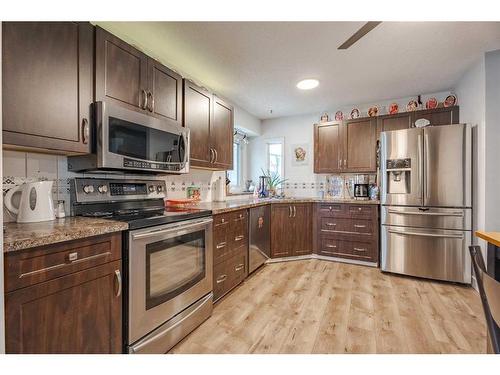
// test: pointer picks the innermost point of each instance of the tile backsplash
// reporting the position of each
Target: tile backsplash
(20, 167)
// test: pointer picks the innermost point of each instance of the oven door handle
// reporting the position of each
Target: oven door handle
(180, 229)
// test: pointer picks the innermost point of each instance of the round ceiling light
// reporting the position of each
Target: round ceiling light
(308, 84)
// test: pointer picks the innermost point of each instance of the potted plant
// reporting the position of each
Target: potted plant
(274, 180)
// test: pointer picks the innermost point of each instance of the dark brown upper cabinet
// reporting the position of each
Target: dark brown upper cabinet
(47, 85)
(347, 146)
(438, 116)
(197, 116)
(121, 72)
(393, 122)
(128, 77)
(360, 145)
(327, 147)
(165, 92)
(210, 120)
(221, 133)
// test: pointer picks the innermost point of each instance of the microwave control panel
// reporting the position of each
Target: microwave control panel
(136, 164)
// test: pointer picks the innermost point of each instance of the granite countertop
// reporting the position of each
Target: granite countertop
(233, 205)
(23, 236)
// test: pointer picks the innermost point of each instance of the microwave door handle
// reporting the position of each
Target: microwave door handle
(182, 146)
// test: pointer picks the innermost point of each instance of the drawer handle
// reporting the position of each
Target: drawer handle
(359, 226)
(332, 246)
(221, 245)
(359, 208)
(239, 238)
(241, 217)
(331, 224)
(72, 256)
(239, 267)
(223, 222)
(221, 279)
(63, 264)
(362, 250)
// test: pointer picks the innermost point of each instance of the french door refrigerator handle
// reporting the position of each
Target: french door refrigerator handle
(426, 148)
(420, 165)
(459, 236)
(458, 214)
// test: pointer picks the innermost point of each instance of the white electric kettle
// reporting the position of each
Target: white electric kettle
(36, 202)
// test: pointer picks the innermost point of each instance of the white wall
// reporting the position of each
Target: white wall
(492, 135)
(471, 92)
(246, 122)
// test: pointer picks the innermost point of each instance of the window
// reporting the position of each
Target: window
(234, 175)
(275, 158)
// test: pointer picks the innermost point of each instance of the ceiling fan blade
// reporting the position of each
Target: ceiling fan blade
(365, 29)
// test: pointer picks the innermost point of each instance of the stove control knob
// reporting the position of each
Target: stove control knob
(103, 189)
(159, 188)
(151, 188)
(87, 189)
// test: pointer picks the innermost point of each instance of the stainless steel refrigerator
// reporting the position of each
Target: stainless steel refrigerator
(426, 217)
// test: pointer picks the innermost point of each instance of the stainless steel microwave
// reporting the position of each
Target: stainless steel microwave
(125, 140)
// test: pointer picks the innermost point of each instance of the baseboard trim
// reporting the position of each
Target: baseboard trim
(322, 257)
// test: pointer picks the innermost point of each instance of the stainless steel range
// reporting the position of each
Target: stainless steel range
(167, 255)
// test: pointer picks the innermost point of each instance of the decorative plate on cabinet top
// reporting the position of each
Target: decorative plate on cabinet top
(393, 108)
(373, 111)
(412, 106)
(450, 100)
(354, 113)
(431, 103)
(339, 116)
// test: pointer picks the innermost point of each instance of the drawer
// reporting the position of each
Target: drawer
(229, 273)
(238, 217)
(330, 224)
(330, 210)
(329, 246)
(357, 250)
(34, 266)
(361, 210)
(221, 280)
(221, 246)
(221, 221)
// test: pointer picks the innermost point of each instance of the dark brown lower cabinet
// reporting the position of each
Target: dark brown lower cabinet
(76, 310)
(348, 231)
(291, 233)
(230, 251)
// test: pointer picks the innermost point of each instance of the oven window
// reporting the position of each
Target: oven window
(173, 266)
(144, 143)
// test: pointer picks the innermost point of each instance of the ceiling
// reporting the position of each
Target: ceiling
(257, 64)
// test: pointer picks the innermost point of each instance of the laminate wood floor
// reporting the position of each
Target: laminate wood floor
(316, 306)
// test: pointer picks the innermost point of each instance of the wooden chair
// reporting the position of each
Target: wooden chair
(489, 290)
